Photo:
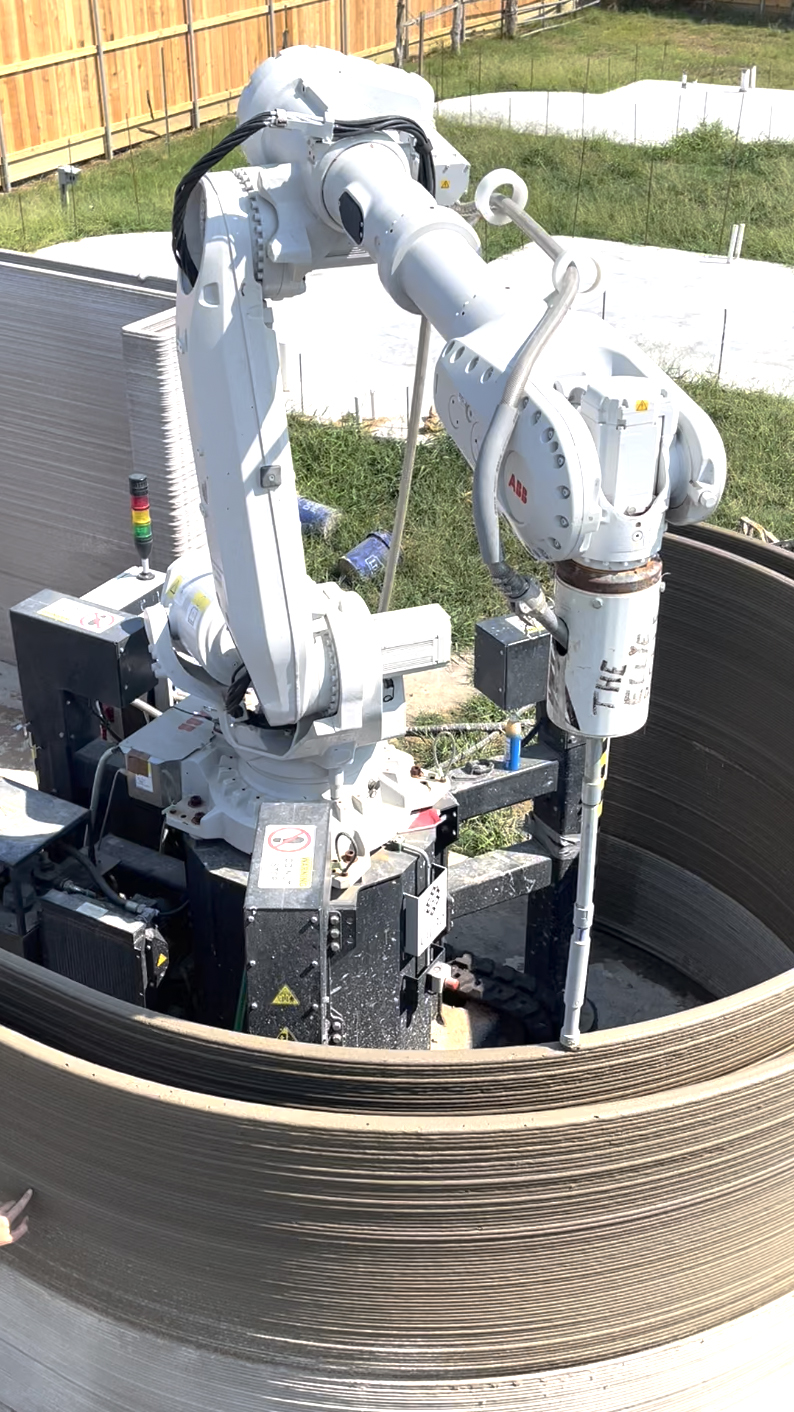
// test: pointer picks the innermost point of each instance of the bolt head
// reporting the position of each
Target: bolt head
(335, 948)
(597, 602)
(195, 801)
(336, 1039)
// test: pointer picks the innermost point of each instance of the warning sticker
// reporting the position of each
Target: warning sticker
(80, 615)
(285, 997)
(287, 1034)
(288, 856)
(140, 769)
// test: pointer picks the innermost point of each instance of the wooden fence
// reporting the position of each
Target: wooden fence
(82, 78)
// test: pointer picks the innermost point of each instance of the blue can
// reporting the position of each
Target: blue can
(513, 746)
(317, 521)
(367, 559)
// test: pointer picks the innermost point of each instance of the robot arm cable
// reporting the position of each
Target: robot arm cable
(516, 587)
(427, 172)
(347, 128)
(191, 180)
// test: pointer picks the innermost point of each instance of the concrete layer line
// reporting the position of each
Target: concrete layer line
(67, 1359)
(640, 1193)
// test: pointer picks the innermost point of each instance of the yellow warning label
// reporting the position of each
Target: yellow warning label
(201, 601)
(285, 997)
(161, 960)
(287, 1034)
(445, 185)
(174, 585)
(640, 406)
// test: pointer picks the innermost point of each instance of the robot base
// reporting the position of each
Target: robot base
(183, 763)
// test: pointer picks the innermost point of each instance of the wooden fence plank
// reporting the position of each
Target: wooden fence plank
(74, 73)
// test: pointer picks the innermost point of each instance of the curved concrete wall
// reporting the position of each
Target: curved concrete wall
(220, 1224)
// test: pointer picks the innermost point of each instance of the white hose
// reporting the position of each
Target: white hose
(143, 706)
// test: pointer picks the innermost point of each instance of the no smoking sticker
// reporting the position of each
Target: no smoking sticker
(288, 856)
(80, 615)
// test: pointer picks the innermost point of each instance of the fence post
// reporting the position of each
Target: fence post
(271, 28)
(5, 175)
(421, 61)
(510, 18)
(165, 101)
(399, 36)
(191, 64)
(456, 33)
(344, 35)
(103, 83)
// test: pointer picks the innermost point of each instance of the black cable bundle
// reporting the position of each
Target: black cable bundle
(241, 680)
(191, 180)
(352, 128)
(395, 123)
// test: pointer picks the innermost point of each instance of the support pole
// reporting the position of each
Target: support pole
(271, 28)
(165, 101)
(456, 33)
(103, 83)
(192, 66)
(399, 36)
(421, 60)
(596, 754)
(510, 18)
(344, 22)
(409, 457)
(5, 174)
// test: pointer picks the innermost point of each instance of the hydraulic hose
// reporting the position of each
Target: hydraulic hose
(489, 461)
(99, 881)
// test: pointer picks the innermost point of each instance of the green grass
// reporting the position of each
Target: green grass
(133, 192)
(347, 467)
(758, 431)
(604, 49)
(701, 183)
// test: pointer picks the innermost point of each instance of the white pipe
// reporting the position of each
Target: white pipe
(147, 710)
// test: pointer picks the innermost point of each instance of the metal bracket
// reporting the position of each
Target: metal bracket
(270, 477)
(426, 915)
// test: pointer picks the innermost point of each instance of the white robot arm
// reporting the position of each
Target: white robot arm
(583, 445)
(594, 455)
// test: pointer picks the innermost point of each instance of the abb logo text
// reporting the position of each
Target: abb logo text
(518, 489)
